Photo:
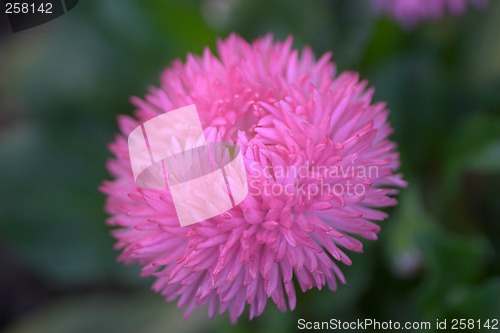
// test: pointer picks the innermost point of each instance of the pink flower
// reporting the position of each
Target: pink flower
(410, 12)
(306, 135)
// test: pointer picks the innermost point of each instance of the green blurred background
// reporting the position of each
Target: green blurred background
(63, 84)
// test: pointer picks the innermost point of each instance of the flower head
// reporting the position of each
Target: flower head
(318, 160)
(410, 12)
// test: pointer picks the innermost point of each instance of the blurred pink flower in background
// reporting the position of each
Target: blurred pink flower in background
(410, 12)
(287, 112)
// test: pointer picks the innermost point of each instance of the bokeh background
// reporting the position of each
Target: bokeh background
(63, 84)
